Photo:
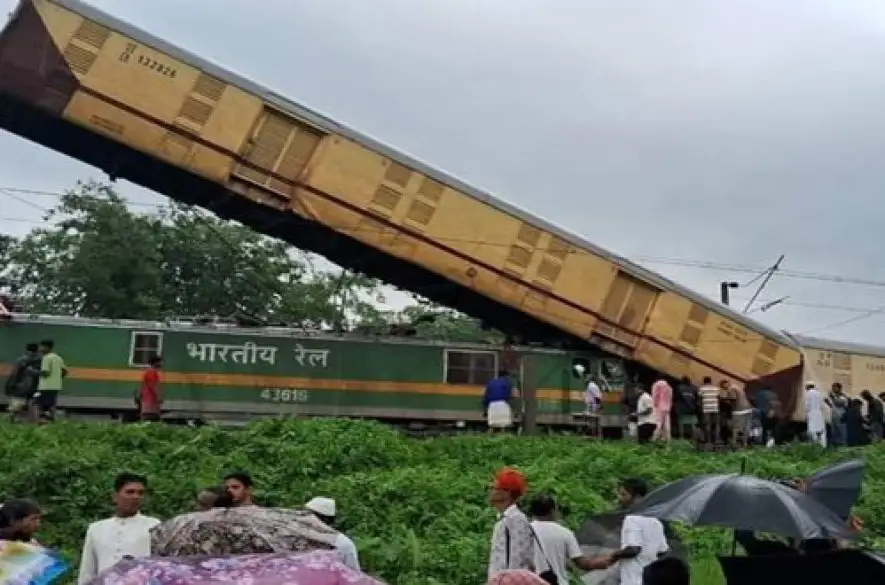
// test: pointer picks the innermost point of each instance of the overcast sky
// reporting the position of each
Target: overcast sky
(723, 133)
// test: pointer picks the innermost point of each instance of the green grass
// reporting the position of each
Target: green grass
(417, 508)
(706, 571)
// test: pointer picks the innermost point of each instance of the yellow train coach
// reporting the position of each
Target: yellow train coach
(91, 86)
(856, 366)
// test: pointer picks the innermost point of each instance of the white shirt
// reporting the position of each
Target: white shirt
(648, 535)
(592, 395)
(814, 415)
(516, 525)
(108, 541)
(347, 552)
(646, 402)
(556, 544)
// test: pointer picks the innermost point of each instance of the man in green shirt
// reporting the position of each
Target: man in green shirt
(52, 375)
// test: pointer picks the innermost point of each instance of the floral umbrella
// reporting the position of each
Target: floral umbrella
(238, 531)
(28, 564)
(314, 568)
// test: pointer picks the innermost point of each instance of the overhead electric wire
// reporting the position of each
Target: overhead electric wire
(15, 193)
(684, 262)
(20, 199)
(755, 278)
(854, 319)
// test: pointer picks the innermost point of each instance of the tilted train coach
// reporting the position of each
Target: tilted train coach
(89, 85)
(856, 366)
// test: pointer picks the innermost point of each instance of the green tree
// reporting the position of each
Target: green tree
(213, 267)
(431, 321)
(8, 245)
(340, 299)
(94, 258)
(98, 258)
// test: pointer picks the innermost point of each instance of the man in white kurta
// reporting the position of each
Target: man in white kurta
(125, 535)
(814, 415)
(324, 509)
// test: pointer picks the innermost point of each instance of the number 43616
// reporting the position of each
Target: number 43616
(285, 395)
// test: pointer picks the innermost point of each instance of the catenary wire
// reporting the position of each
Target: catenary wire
(757, 271)
(863, 313)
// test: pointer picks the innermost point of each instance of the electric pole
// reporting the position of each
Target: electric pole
(769, 273)
(724, 290)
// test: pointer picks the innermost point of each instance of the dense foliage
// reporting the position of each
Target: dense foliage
(98, 257)
(417, 508)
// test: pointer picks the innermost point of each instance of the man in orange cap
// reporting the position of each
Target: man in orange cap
(513, 545)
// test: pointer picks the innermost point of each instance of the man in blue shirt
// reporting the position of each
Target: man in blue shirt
(496, 402)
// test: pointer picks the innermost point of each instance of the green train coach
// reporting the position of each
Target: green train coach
(217, 372)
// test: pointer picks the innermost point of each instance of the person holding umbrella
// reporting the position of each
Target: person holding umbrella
(643, 540)
(744, 503)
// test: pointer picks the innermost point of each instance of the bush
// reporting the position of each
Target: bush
(416, 508)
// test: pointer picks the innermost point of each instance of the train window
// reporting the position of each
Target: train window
(470, 367)
(143, 346)
(580, 368)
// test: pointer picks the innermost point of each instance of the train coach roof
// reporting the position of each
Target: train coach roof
(294, 333)
(327, 124)
(808, 342)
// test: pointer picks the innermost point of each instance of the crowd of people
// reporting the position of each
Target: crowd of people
(127, 534)
(38, 376)
(724, 415)
(534, 545)
(536, 548)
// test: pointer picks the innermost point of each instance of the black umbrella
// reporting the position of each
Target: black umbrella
(838, 487)
(743, 502)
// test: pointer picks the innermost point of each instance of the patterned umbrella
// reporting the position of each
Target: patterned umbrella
(314, 568)
(239, 531)
(515, 577)
(28, 564)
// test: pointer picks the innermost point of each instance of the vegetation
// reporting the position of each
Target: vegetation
(417, 508)
(96, 257)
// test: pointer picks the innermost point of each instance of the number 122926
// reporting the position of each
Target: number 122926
(129, 56)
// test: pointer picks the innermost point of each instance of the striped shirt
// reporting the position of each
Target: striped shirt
(709, 398)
